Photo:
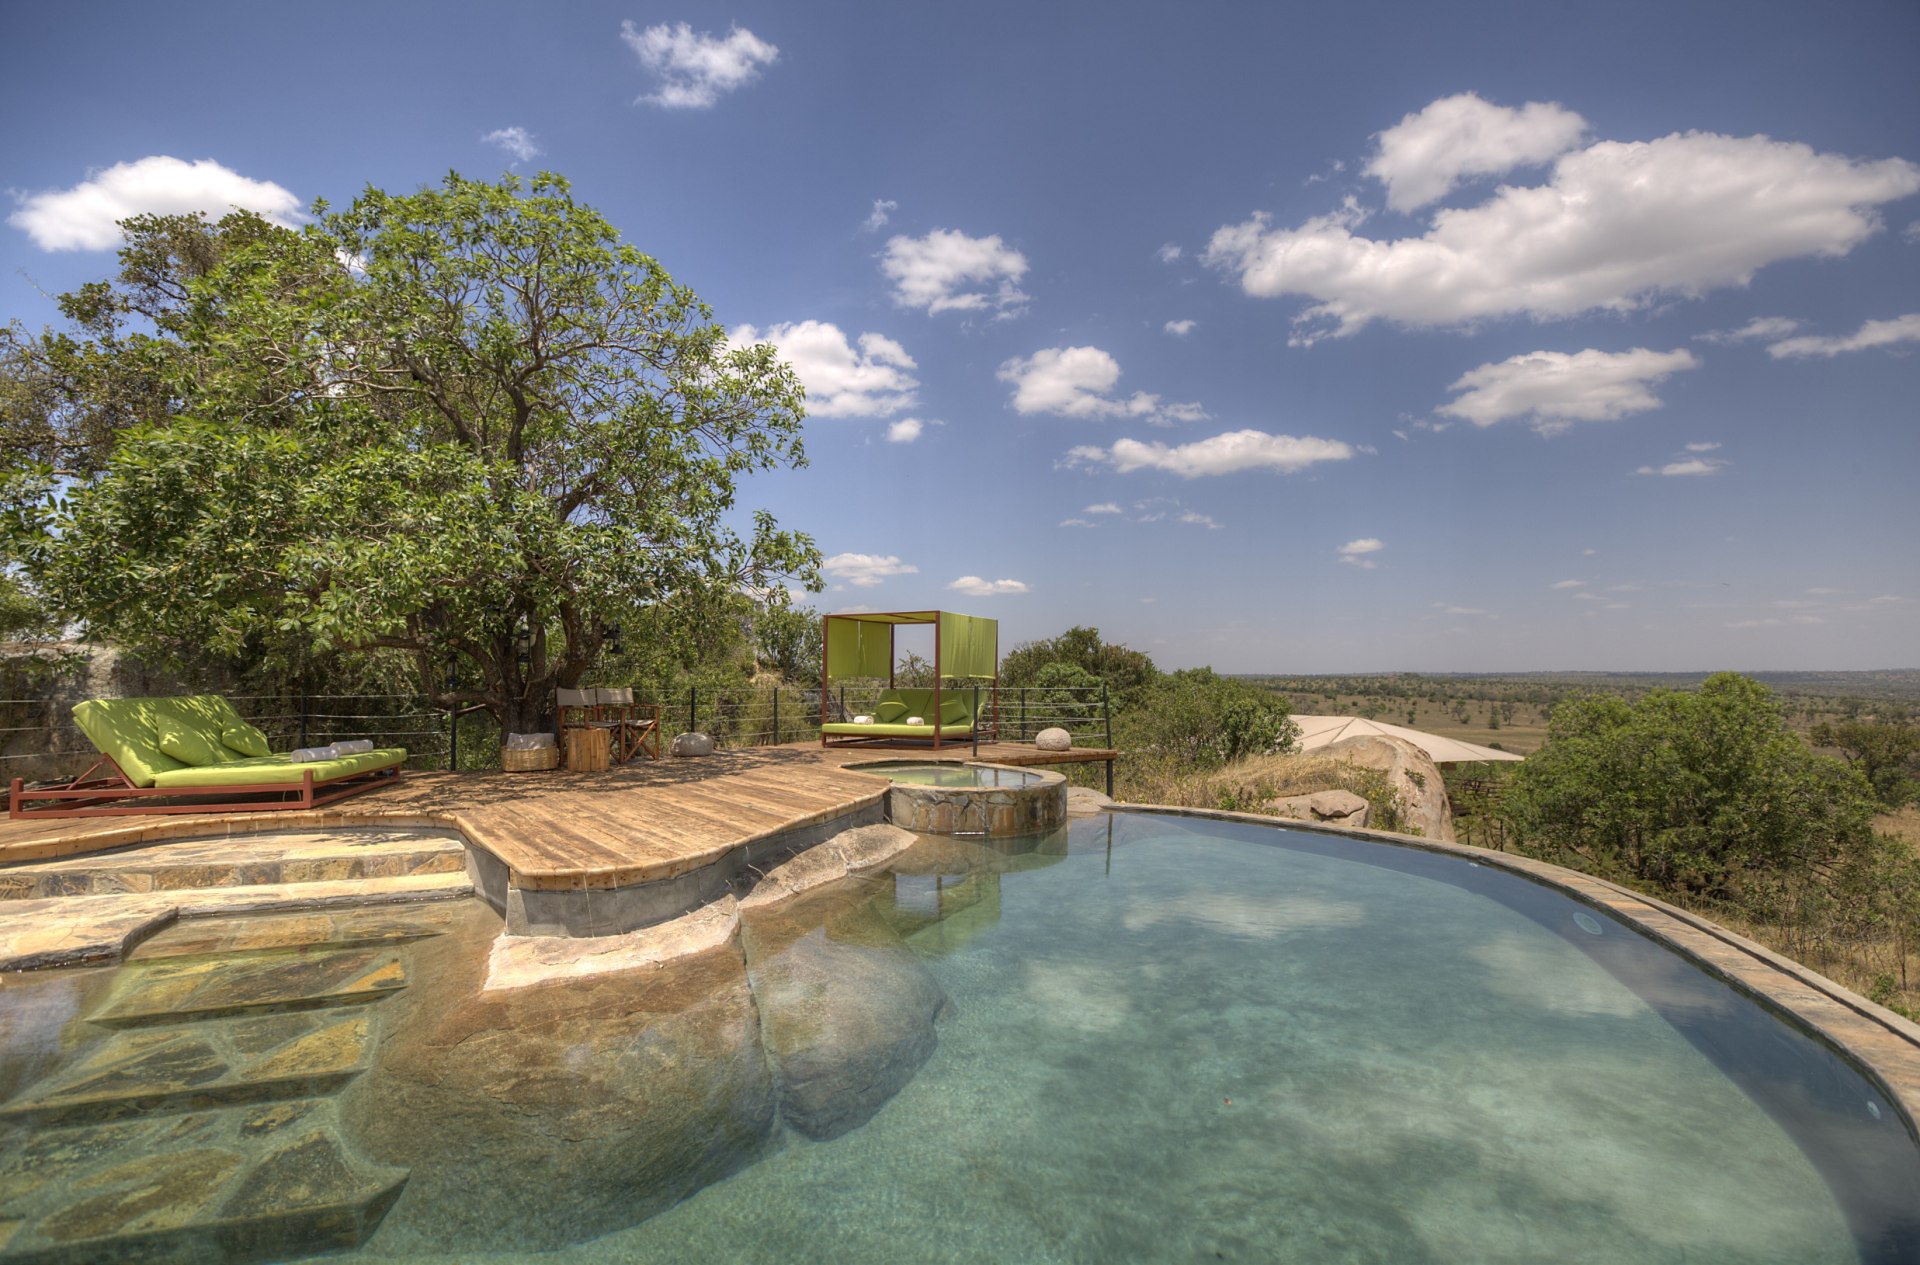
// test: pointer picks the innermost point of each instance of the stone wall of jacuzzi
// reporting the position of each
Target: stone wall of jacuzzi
(993, 811)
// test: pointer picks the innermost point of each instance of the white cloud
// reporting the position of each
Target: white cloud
(1169, 253)
(1686, 466)
(1556, 389)
(906, 430)
(1223, 454)
(1196, 519)
(1771, 622)
(1757, 328)
(1076, 381)
(947, 271)
(883, 210)
(1358, 553)
(974, 586)
(1077, 522)
(1180, 329)
(1423, 156)
(1445, 609)
(696, 70)
(864, 570)
(1617, 224)
(1901, 329)
(1569, 584)
(874, 381)
(1703, 447)
(87, 216)
(1105, 507)
(514, 140)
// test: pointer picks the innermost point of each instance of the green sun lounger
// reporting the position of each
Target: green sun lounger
(890, 715)
(193, 754)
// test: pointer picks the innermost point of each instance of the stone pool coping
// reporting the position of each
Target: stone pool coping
(996, 812)
(1884, 1046)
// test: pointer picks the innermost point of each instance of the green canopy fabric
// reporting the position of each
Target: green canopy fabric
(862, 645)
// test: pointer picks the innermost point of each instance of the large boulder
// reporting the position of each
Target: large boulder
(690, 744)
(1053, 740)
(1412, 775)
(1339, 808)
(847, 1011)
(629, 1091)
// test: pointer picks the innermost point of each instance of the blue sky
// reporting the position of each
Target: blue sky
(1469, 337)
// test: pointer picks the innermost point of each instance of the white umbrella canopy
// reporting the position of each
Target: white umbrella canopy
(1320, 731)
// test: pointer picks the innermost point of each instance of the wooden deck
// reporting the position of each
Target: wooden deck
(640, 823)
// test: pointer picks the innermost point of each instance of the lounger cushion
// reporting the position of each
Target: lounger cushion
(187, 742)
(277, 769)
(889, 711)
(895, 731)
(954, 711)
(128, 729)
(245, 739)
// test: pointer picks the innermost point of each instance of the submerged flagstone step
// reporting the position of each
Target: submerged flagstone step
(239, 861)
(321, 928)
(150, 1071)
(75, 930)
(253, 1183)
(180, 990)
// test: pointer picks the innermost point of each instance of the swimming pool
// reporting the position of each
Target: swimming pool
(1148, 1037)
(917, 773)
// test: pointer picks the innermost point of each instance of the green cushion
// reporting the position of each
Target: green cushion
(895, 731)
(245, 739)
(180, 737)
(278, 770)
(954, 711)
(890, 710)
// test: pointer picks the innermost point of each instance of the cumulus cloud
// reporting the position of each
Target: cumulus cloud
(1556, 389)
(864, 570)
(974, 586)
(1758, 328)
(1105, 507)
(906, 430)
(1195, 518)
(87, 216)
(1686, 466)
(874, 381)
(1569, 584)
(1479, 612)
(883, 210)
(1359, 553)
(1077, 522)
(1703, 447)
(1078, 382)
(514, 140)
(1228, 453)
(1423, 156)
(1901, 329)
(1616, 225)
(1168, 253)
(947, 271)
(1180, 329)
(696, 69)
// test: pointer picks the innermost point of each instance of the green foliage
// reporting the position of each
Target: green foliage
(1884, 754)
(1196, 719)
(1698, 791)
(466, 424)
(787, 641)
(1126, 672)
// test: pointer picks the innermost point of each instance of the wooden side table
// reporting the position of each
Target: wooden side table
(588, 750)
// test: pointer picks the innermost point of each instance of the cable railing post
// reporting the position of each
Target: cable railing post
(976, 722)
(1023, 713)
(776, 716)
(693, 708)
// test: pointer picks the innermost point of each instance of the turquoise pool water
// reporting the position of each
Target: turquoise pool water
(949, 775)
(1157, 1039)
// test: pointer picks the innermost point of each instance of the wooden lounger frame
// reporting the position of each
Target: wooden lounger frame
(105, 796)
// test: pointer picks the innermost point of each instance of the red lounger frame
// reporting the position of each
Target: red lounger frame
(90, 796)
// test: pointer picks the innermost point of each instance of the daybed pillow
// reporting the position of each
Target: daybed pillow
(890, 711)
(245, 739)
(187, 744)
(953, 711)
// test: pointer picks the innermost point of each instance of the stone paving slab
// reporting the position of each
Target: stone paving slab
(333, 929)
(241, 1183)
(77, 930)
(157, 1070)
(177, 990)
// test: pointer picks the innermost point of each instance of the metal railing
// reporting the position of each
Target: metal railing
(35, 745)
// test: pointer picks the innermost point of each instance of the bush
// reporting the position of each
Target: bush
(1197, 720)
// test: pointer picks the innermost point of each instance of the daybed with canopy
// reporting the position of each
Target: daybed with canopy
(860, 646)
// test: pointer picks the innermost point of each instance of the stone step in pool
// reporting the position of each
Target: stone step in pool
(177, 991)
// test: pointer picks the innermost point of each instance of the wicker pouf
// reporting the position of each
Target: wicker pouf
(533, 761)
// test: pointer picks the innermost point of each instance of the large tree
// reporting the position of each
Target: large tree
(470, 424)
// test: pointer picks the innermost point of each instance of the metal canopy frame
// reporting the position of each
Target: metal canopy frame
(892, 620)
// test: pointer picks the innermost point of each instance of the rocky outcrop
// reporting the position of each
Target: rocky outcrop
(1340, 808)
(1413, 777)
(847, 1011)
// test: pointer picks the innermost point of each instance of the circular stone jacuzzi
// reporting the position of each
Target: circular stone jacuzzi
(953, 798)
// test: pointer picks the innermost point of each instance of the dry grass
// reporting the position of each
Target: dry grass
(1903, 824)
(1248, 785)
